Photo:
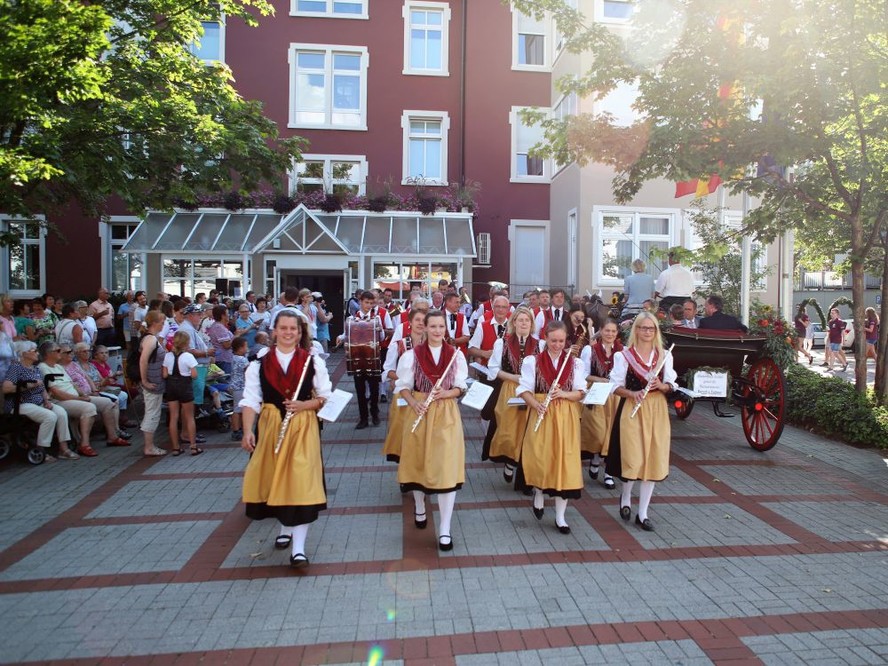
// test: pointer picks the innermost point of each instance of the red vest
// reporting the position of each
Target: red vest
(460, 324)
(488, 337)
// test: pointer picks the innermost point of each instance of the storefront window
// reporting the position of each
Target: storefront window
(187, 277)
(401, 278)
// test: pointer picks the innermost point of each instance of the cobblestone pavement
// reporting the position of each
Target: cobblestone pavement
(769, 558)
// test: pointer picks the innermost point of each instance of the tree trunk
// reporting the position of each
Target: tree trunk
(857, 295)
(881, 387)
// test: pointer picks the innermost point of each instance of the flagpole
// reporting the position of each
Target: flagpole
(746, 264)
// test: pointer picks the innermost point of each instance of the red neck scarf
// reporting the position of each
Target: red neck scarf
(284, 383)
(512, 347)
(604, 363)
(638, 366)
(426, 372)
(548, 371)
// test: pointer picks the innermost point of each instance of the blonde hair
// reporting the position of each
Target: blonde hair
(652, 318)
(181, 342)
(638, 266)
(521, 309)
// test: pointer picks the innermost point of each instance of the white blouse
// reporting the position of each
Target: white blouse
(621, 366)
(528, 376)
(586, 360)
(405, 370)
(495, 362)
(392, 356)
(253, 388)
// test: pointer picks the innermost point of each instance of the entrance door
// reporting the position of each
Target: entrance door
(329, 283)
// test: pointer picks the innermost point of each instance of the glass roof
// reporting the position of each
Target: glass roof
(306, 232)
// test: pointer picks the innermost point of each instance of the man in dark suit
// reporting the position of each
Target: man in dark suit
(689, 314)
(716, 319)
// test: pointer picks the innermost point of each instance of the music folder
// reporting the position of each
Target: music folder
(477, 396)
(334, 406)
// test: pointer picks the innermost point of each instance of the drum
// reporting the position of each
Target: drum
(362, 347)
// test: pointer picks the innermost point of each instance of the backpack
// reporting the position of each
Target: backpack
(133, 367)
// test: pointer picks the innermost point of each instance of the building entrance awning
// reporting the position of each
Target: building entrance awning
(305, 231)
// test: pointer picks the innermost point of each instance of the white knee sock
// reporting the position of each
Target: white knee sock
(446, 502)
(419, 502)
(538, 500)
(626, 494)
(300, 532)
(644, 498)
(596, 461)
(560, 508)
(286, 531)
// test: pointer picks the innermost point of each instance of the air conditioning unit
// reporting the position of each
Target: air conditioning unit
(483, 246)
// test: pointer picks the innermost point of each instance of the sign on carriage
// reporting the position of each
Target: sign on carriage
(710, 384)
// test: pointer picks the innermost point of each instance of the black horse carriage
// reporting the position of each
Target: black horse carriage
(756, 385)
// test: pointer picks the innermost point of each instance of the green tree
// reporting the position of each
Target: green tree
(107, 99)
(723, 86)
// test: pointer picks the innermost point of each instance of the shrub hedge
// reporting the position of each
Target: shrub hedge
(831, 406)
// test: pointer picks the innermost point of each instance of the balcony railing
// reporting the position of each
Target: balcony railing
(833, 280)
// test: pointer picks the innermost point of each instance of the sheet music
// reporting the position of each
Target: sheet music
(334, 406)
(516, 402)
(598, 393)
(477, 396)
(481, 369)
(688, 392)
(400, 402)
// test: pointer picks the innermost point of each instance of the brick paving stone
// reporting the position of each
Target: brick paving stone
(660, 652)
(837, 521)
(685, 525)
(779, 480)
(172, 496)
(854, 647)
(113, 549)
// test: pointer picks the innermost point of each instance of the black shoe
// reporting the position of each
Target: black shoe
(626, 513)
(445, 546)
(508, 473)
(538, 513)
(124, 435)
(298, 561)
(527, 492)
(376, 419)
(593, 473)
(420, 524)
(383, 398)
(564, 529)
(282, 541)
(609, 482)
(362, 424)
(646, 524)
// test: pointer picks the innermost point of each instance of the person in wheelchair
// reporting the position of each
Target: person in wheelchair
(24, 382)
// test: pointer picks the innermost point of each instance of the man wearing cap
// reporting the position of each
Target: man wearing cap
(198, 347)
(103, 313)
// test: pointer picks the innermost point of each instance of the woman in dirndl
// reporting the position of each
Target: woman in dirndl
(597, 420)
(433, 457)
(639, 446)
(550, 455)
(414, 335)
(504, 364)
(289, 383)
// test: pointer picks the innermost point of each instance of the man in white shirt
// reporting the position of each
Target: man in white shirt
(457, 324)
(674, 285)
(487, 332)
(555, 312)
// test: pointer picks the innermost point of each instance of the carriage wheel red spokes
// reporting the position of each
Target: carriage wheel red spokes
(763, 409)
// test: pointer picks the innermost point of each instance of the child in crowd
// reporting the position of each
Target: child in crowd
(238, 372)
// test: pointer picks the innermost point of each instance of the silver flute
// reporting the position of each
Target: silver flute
(286, 422)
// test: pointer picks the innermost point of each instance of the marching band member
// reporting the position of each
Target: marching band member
(402, 327)
(505, 364)
(288, 484)
(639, 447)
(480, 348)
(415, 335)
(597, 420)
(457, 325)
(555, 312)
(550, 456)
(433, 456)
(369, 407)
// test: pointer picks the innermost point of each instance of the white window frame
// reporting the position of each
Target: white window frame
(111, 245)
(40, 220)
(601, 18)
(329, 12)
(513, 264)
(328, 182)
(329, 51)
(406, 117)
(599, 235)
(547, 45)
(221, 59)
(444, 8)
(515, 125)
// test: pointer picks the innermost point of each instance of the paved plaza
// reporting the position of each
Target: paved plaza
(757, 558)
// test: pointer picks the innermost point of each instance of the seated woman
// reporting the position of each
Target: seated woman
(64, 394)
(34, 403)
(107, 408)
(107, 385)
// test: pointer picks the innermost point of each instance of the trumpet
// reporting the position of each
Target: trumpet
(286, 422)
(428, 400)
(654, 373)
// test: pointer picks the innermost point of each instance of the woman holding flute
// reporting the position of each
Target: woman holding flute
(431, 377)
(285, 387)
(597, 420)
(639, 445)
(414, 334)
(552, 384)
